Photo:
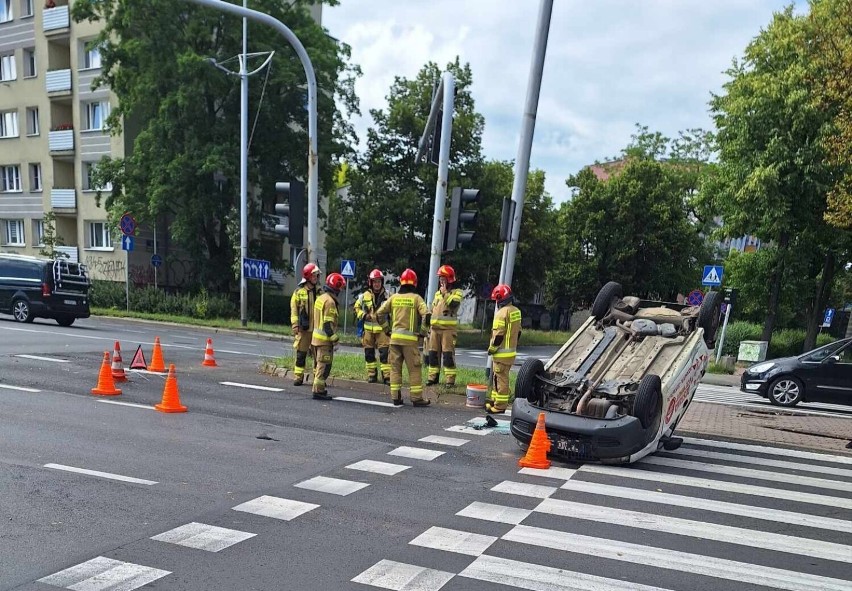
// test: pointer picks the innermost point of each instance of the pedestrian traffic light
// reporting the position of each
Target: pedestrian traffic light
(462, 218)
(293, 209)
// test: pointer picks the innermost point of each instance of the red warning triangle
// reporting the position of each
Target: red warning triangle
(138, 359)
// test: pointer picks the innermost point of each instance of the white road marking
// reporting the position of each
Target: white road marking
(132, 404)
(242, 344)
(203, 537)
(385, 468)
(523, 575)
(416, 453)
(674, 560)
(334, 486)
(453, 441)
(398, 576)
(18, 388)
(275, 507)
(468, 430)
(651, 496)
(721, 485)
(100, 474)
(525, 490)
(252, 387)
(778, 451)
(749, 473)
(552, 472)
(766, 462)
(453, 540)
(698, 529)
(368, 402)
(38, 358)
(766, 406)
(495, 513)
(150, 373)
(102, 574)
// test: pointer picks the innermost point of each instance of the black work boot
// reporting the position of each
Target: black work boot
(397, 401)
(299, 381)
(422, 402)
(322, 395)
(372, 379)
(432, 381)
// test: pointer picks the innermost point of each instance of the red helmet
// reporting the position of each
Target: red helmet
(501, 292)
(335, 281)
(376, 274)
(448, 272)
(310, 270)
(408, 277)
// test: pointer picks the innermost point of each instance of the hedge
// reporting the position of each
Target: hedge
(784, 343)
(110, 294)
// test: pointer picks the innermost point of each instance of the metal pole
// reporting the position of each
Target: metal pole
(722, 338)
(313, 200)
(522, 162)
(127, 278)
(346, 307)
(244, 173)
(449, 87)
(155, 252)
(261, 302)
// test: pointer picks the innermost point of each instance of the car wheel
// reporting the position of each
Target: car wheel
(648, 407)
(65, 321)
(709, 316)
(786, 391)
(607, 296)
(525, 386)
(21, 310)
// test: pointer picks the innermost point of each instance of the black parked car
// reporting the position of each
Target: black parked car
(821, 375)
(32, 287)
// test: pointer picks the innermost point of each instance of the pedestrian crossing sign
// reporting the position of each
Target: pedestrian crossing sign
(347, 268)
(712, 275)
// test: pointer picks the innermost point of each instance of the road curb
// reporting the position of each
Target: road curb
(270, 336)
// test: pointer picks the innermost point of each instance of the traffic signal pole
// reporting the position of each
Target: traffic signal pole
(244, 92)
(522, 161)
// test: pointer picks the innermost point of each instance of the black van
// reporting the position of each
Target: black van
(32, 287)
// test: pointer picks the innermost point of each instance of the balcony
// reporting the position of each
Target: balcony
(58, 83)
(61, 140)
(56, 20)
(63, 198)
(72, 252)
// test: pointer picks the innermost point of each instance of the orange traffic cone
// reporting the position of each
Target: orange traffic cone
(118, 365)
(157, 363)
(209, 361)
(171, 395)
(106, 385)
(539, 446)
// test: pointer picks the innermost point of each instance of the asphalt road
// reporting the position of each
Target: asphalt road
(293, 493)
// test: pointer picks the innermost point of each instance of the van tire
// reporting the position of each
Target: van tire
(65, 320)
(609, 295)
(21, 310)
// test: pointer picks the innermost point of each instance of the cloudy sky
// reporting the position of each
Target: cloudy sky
(610, 64)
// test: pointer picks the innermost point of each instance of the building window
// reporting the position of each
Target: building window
(9, 124)
(38, 232)
(35, 177)
(92, 58)
(14, 233)
(10, 178)
(30, 70)
(88, 180)
(7, 67)
(99, 236)
(5, 11)
(32, 121)
(27, 8)
(96, 114)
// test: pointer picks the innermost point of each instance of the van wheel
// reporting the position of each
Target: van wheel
(65, 321)
(525, 385)
(21, 310)
(709, 316)
(649, 401)
(609, 295)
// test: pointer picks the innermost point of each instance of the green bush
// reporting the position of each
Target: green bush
(784, 343)
(107, 294)
(110, 294)
(276, 306)
(738, 332)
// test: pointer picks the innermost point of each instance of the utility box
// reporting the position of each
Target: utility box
(752, 351)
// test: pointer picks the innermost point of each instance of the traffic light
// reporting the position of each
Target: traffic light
(293, 208)
(462, 218)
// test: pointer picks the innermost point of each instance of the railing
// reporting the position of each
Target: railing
(63, 198)
(61, 140)
(56, 18)
(58, 81)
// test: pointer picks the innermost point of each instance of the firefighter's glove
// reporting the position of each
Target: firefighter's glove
(387, 329)
(295, 329)
(492, 349)
(335, 339)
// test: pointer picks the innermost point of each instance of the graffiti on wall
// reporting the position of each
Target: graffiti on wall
(107, 268)
(141, 275)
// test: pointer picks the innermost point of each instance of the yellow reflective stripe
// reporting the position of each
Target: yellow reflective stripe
(321, 336)
(403, 337)
(445, 322)
(515, 316)
(504, 354)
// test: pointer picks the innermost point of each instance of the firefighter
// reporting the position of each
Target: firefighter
(404, 317)
(325, 337)
(374, 336)
(505, 333)
(444, 329)
(301, 316)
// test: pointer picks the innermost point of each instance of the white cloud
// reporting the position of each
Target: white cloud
(610, 64)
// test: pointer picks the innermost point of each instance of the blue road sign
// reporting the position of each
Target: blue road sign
(695, 297)
(127, 243)
(712, 275)
(828, 318)
(256, 269)
(157, 260)
(127, 225)
(347, 268)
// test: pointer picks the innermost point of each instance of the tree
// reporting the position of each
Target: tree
(183, 116)
(51, 239)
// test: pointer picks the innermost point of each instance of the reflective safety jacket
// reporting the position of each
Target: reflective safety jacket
(302, 305)
(445, 309)
(366, 306)
(505, 331)
(406, 316)
(325, 320)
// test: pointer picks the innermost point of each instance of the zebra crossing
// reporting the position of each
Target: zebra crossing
(711, 516)
(733, 396)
